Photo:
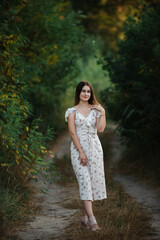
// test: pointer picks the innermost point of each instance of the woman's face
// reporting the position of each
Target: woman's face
(85, 93)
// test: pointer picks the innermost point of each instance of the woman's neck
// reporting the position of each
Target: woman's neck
(83, 104)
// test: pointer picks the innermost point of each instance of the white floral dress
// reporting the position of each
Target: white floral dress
(91, 177)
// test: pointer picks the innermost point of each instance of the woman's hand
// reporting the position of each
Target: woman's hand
(98, 108)
(83, 158)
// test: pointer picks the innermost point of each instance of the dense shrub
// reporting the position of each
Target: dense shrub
(55, 38)
(134, 102)
(39, 45)
(20, 139)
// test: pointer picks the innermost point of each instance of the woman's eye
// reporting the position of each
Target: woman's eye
(86, 91)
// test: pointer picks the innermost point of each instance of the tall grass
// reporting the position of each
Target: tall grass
(13, 208)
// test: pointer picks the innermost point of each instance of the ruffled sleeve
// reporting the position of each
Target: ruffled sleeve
(68, 112)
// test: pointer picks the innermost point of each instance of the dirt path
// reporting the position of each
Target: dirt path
(54, 217)
(148, 198)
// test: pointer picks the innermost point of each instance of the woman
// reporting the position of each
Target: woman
(84, 119)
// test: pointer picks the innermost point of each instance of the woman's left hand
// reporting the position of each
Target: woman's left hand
(98, 108)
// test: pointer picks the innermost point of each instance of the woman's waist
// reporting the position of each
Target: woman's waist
(86, 139)
(86, 132)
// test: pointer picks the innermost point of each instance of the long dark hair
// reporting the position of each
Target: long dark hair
(79, 87)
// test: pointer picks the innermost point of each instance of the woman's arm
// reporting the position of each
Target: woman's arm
(101, 121)
(75, 139)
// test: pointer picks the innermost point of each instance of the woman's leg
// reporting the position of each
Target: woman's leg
(87, 204)
(84, 218)
(89, 212)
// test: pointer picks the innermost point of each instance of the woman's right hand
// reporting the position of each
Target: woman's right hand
(83, 158)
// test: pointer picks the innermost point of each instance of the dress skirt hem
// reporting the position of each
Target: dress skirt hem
(97, 199)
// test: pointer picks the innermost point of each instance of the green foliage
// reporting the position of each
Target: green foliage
(105, 18)
(20, 139)
(88, 70)
(92, 71)
(134, 101)
(55, 38)
(39, 45)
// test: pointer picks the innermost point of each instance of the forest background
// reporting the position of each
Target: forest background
(46, 48)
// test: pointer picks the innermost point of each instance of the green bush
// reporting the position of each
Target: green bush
(134, 101)
(39, 44)
(55, 40)
(21, 141)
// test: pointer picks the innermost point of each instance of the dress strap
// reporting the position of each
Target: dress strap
(68, 112)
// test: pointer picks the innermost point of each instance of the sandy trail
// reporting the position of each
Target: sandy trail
(52, 220)
(53, 217)
(143, 194)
